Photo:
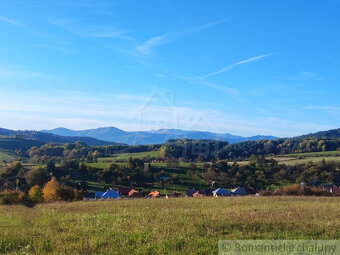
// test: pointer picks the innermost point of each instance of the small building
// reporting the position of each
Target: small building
(335, 190)
(98, 194)
(327, 187)
(251, 191)
(198, 194)
(221, 192)
(135, 193)
(239, 191)
(190, 193)
(154, 194)
(124, 191)
(110, 194)
(89, 195)
(208, 192)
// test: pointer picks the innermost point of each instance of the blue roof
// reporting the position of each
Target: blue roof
(99, 193)
(110, 194)
(241, 191)
(191, 192)
(222, 192)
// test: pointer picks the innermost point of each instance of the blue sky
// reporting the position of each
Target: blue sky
(240, 67)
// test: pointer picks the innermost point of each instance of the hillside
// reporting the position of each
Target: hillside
(113, 134)
(50, 138)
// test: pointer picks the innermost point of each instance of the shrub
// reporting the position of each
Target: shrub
(291, 190)
(267, 192)
(78, 194)
(50, 190)
(10, 197)
(316, 192)
(70, 194)
(36, 194)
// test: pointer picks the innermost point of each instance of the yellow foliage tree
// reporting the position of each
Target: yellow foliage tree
(36, 194)
(50, 190)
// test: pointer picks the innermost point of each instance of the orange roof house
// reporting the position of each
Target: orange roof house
(135, 193)
(154, 194)
(198, 194)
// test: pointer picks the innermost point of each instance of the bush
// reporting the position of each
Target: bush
(292, 190)
(50, 190)
(36, 194)
(11, 197)
(267, 192)
(316, 192)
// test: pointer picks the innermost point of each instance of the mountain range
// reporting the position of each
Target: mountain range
(113, 134)
(42, 137)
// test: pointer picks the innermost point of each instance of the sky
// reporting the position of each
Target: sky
(240, 67)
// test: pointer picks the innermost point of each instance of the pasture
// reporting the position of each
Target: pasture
(163, 226)
(303, 158)
(6, 157)
(126, 156)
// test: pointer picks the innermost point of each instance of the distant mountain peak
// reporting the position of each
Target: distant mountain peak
(113, 134)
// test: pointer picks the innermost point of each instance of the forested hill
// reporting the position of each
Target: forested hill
(208, 150)
(329, 134)
(320, 141)
(50, 138)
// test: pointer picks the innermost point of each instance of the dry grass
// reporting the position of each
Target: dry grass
(163, 226)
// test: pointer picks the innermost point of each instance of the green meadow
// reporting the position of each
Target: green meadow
(163, 226)
(6, 157)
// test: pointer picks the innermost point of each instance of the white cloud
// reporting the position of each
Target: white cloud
(146, 47)
(198, 81)
(159, 75)
(103, 31)
(38, 110)
(235, 64)
(11, 22)
(151, 43)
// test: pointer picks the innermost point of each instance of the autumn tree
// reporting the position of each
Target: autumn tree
(50, 190)
(36, 194)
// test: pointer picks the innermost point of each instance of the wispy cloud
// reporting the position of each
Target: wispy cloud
(103, 31)
(146, 47)
(11, 21)
(236, 64)
(224, 89)
(81, 111)
(159, 75)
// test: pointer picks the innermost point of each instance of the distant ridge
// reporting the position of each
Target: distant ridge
(113, 134)
(53, 138)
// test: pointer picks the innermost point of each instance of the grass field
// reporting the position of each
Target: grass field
(163, 226)
(6, 157)
(298, 161)
(303, 158)
(126, 156)
(313, 154)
